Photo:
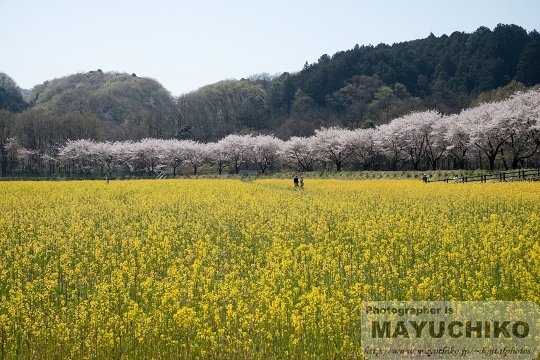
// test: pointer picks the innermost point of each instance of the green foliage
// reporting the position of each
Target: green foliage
(528, 68)
(498, 94)
(129, 107)
(216, 110)
(379, 83)
(184, 133)
(367, 124)
(448, 65)
(11, 98)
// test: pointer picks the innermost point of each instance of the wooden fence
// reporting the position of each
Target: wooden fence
(513, 175)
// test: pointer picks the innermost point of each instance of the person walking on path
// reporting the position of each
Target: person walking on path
(295, 181)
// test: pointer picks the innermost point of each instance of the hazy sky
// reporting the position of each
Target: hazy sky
(188, 44)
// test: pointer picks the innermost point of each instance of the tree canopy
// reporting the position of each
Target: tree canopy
(371, 85)
(129, 107)
(11, 98)
(360, 88)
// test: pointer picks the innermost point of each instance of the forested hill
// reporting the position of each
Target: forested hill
(370, 85)
(128, 107)
(461, 63)
(361, 87)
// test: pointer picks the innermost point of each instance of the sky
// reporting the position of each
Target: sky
(189, 44)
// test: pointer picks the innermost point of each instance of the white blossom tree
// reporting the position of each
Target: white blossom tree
(172, 154)
(78, 154)
(457, 137)
(388, 140)
(146, 154)
(195, 154)
(265, 150)
(300, 152)
(532, 100)
(125, 155)
(237, 149)
(106, 155)
(412, 132)
(509, 129)
(520, 115)
(365, 146)
(217, 155)
(487, 130)
(436, 143)
(335, 145)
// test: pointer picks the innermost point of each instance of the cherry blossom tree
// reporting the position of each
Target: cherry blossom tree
(413, 132)
(195, 153)
(126, 155)
(365, 146)
(217, 155)
(436, 143)
(531, 101)
(520, 116)
(265, 150)
(146, 154)
(106, 154)
(389, 142)
(509, 129)
(457, 138)
(78, 154)
(238, 149)
(487, 130)
(172, 153)
(334, 144)
(301, 152)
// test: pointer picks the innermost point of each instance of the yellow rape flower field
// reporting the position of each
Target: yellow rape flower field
(187, 269)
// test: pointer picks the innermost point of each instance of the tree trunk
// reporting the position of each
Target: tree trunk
(4, 160)
(491, 159)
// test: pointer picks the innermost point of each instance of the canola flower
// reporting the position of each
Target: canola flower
(224, 269)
